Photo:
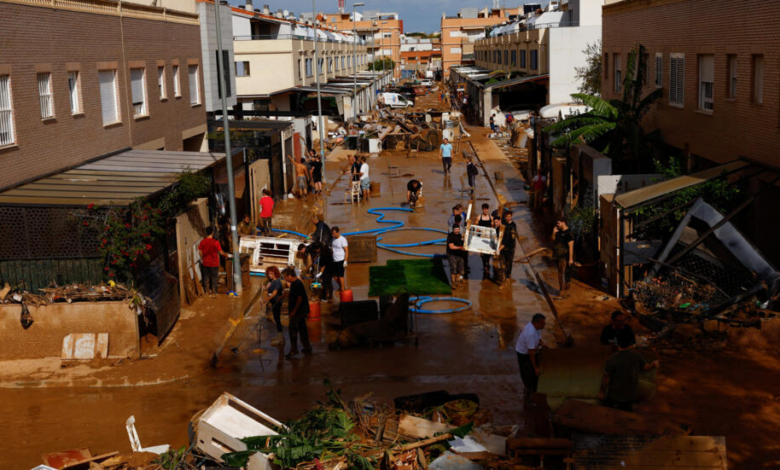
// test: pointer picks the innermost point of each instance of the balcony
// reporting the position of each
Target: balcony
(296, 37)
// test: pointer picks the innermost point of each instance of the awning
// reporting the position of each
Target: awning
(648, 193)
(517, 81)
(116, 180)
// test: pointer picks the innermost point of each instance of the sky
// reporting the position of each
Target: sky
(418, 15)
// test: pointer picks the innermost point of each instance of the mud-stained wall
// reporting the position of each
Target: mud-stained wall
(53, 322)
(190, 230)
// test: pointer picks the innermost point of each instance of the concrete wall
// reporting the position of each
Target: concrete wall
(59, 41)
(208, 40)
(52, 323)
(566, 51)
(189, 6)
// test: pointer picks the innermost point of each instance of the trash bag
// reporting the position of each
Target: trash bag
(26, 318)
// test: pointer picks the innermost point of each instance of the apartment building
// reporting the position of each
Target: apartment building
(545, 42)
(212, 90)
(86, 78)
(458, 33)
(380, 31)
(719, 73)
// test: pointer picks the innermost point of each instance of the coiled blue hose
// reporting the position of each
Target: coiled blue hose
(417, 302)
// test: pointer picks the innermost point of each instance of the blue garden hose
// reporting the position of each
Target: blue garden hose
(380, 220)
(417, 302)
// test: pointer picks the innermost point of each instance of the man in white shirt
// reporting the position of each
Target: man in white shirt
(365, 182)
(340, 255)
(527, 347)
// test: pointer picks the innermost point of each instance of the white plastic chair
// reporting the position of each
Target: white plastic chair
(135, 442)
(353, 193)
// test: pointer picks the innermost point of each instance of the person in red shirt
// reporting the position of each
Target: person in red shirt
(266, 212)
(210, 250)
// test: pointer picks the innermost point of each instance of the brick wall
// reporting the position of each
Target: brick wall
(42, 39)
(735, 127)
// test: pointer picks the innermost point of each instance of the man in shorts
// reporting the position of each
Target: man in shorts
(563, 251)
(301, 176)
(340, 254)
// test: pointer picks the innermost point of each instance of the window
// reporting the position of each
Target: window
(706, 81)
(300, 72)
(659, 69)
(676, 79)
(194, 85)
(522, 59)
(534, 60)
(514, 59)
(498, 54)
(606, 65)
(330, 64)
(758, 78)
(108, 98)
(242, 69)
(161, 83)
(336, 64)
(176, 89)
(6, 112)
(506, 57)
(44, 92)
(73, 89)
(618, 78)
(261, 105)
(139, 91)
(731, 84)
(319, 66)
(308, 68)
(455, 50)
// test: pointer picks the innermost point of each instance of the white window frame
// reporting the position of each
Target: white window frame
(176, 82)
(194, 82)
(617, 75)
(246, 70)
(45, 95)
(161, 85)
(706, 82)
(114, 96)
(74, 91)
(7, 136)
(731, 86)
(759, 66)
(677, 79)
(138, 92)
(453, 50)
(659, 69)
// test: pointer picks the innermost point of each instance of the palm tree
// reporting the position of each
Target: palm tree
(614, 126)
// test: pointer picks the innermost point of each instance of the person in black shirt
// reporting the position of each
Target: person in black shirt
(617, 330)
(413, 190)
(298, 308)
(471, 173)
(316, 173)
(455, 255)
(508, 242)
(563, 251)
(322, 232)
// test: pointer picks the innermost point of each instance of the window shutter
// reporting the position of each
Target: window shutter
(193, 74)
(659, 70)
(73, 80)
(108, 96)
(137, 85)
(707, 65)
(6, 116)
(680, 79)
(44, 92)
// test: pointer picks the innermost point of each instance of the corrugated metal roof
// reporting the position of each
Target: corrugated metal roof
(115, 180)
(517, 81)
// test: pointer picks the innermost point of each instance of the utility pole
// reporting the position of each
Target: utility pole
(228, 157)
(323, 131)
(354, 63)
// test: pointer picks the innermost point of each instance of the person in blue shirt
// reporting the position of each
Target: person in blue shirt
(446, 156)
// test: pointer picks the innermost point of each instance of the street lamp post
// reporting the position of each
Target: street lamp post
(319, 93)
(373, 59)
(354, 62)
(237, 287)
(381, 32)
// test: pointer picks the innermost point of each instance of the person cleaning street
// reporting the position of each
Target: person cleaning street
(563, 251)
(275, 292)
(508, 243)
(620, 382)
(340, 254)
(245, 227)
(365, 181)
(209, 250)
(298, 308)
(528, 345)
(413, 190)
(445, 151)
(471, 173)
(485, 220)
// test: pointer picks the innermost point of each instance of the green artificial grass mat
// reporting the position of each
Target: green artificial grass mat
(418, 276)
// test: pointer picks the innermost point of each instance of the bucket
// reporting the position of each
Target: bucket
(314, 311)
(345, 295)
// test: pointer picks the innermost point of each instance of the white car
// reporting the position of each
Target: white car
(426, 82)
(395, 100)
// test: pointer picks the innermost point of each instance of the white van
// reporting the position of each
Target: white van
(395, 100)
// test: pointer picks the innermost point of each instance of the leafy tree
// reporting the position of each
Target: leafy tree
(590, 75)
(377, 64)
(614, 127)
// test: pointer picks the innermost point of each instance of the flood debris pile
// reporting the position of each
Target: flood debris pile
(411, 131)
(72, 293)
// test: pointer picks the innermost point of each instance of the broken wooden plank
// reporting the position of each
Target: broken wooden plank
(420, 428)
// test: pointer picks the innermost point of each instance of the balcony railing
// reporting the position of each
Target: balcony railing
(296, 37)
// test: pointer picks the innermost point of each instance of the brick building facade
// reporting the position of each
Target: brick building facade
(459, 32)
(718, 64)
(73, 44)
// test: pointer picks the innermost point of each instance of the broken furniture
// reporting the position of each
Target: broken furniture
(77, 459)
(353, 193)
(265, 252)
(135, 442)
(221, 427)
